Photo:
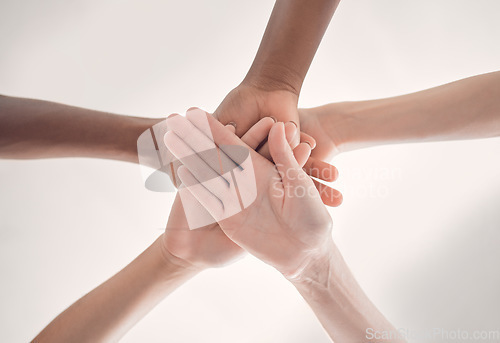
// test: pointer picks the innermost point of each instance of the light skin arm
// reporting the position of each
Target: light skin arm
(287, 226)
(464, 109)
(110, 310)
(42, 129)
(338, 301)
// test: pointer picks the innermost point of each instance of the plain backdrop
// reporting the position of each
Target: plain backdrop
(420, 223)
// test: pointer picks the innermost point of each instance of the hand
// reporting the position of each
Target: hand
(246, 104)
(201, 248)
(207, 246)
(287, 225)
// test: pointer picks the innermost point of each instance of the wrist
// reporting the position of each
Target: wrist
(169, 263)
(316, 268)
(344, 310)
(342, 123)
(273, 77)
(362, 124)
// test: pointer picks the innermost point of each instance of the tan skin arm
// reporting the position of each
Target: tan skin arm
(273, 83)
(290, 41)
(464, 109)
(41, 129)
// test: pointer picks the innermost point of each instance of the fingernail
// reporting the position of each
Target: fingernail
(273, 118)
(294, 123)
(308, 143)
(232, 123)
(295, 131)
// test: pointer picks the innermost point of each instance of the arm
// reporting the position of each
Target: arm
(464, 109)
(272, 85)
(338, 301)
(289, 44)
(41, 129)
(110, 310)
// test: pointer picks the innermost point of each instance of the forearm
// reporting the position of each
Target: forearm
(465, 109)
(340, 304)
(110, 310)
(290, 41)
(41, 129)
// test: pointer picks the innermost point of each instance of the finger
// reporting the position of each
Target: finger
(304, 137)
(295, 140)
(189, 132)
(282, 155)
(229, 144)
(199, 119)
(173, 115)
(321, 170)
(198, 139)
(196, 117)
(244, 116)
(290, 132)
(188, 213)
(258, 133)
(171, 170)
(329, 196)
(206, 198)
(215, 182)
(302, 153)
(231, 128)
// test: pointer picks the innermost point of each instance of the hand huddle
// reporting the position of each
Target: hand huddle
(250, 178)
(286, 224)
(250, 181)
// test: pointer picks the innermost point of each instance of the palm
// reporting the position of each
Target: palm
(279, 227)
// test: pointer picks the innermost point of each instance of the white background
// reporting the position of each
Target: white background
(423, 242)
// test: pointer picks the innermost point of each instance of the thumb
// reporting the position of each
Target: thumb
(282, 155)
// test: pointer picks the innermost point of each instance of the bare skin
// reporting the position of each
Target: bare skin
(110, 310)
(464, 109)
(33, 129)
(38, 129)
(288, 231)
(273, 83)
(42, 129)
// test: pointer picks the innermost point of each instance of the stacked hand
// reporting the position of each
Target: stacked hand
(248, 112)
(207, 246)
(251, 177)
(286, 226)
(246, 104)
